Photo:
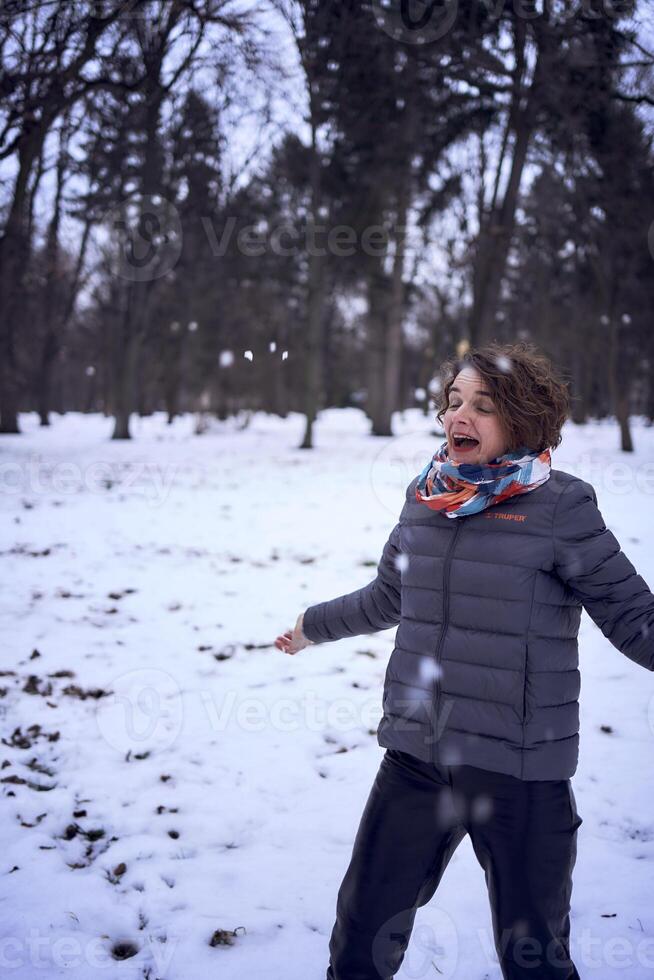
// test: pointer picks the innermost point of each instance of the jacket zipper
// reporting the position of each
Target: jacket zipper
(446, 612)
(524, 693)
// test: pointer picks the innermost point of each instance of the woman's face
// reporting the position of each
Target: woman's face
(471, 412)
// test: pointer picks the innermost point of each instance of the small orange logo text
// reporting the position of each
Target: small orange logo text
(506, 517)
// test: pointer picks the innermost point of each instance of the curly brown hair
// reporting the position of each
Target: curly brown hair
(532, 401)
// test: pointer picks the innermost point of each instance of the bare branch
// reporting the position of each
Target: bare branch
(632, 40)
(637, 99)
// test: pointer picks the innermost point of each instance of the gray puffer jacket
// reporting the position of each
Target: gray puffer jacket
(484, 671)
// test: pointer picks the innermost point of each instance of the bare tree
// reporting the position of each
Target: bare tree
(45, 55)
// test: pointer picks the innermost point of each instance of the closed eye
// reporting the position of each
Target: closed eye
(486, 411)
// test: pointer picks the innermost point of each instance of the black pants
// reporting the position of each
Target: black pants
(524, 834)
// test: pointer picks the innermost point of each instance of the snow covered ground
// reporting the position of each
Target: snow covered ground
(169, 777)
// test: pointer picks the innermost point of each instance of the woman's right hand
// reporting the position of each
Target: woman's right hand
(292, 641)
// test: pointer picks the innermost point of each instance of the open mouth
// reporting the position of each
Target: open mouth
(464, 442)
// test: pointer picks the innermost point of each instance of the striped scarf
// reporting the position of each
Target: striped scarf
(459, 489)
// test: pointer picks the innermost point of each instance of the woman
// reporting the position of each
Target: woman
(486, 573)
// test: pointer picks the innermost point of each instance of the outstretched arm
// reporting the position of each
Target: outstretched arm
(588, 558)
(374, 607)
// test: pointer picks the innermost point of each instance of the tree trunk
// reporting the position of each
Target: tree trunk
(579, 408)
(496, 232)
(52, 317)
(619, 385)
(126, 388)
(649, 404)
(14, 257)
(139, 292)
(15, 244)
(378, 305)
(312, 387)
(172, 375)
(395, 320)
(44, 377)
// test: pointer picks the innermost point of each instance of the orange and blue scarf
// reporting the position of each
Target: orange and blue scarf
(459, 489)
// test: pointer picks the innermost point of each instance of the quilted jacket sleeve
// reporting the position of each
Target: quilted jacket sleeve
(588, 558)
(374, 607)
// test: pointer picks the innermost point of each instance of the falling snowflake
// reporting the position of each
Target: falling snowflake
(284, 355)
(521, 928)
(575, 567)
(429, 669)
(90, 371)
(504, 364)
(401, 562)
(226, 358)
(248, 355)
(272, 346)
(452, 756)
(193, 326)
(420, 394)
(481, 809)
